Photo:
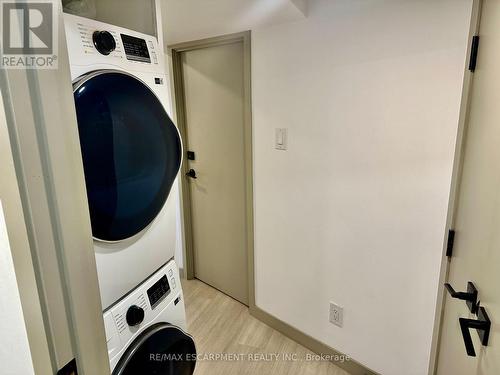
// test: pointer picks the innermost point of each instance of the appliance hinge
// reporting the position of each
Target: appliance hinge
(449, 244)
(473, 53)
(69, 369)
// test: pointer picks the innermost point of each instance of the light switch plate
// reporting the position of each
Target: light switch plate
(281, 139)
(336, 314)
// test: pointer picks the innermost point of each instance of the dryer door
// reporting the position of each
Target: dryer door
(162, 349)
(131, 152)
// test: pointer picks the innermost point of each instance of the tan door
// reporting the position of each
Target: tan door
(214, 94)
(476, 254)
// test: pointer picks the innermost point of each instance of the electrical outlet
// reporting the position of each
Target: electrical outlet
(336, 314)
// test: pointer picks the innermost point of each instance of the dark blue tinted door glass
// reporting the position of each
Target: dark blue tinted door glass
(160, 350)
(131, 153)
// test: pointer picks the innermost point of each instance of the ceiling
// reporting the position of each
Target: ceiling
(185, 20)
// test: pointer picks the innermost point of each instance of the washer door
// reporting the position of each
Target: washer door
(131, 152)
(162, 349)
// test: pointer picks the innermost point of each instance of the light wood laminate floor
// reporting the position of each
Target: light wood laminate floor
(220, 325)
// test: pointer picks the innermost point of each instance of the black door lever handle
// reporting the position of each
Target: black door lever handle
(470, 296)
(191, 173)
(482, 325)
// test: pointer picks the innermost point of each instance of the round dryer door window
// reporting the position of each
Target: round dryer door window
(131, 152)
(161, 349)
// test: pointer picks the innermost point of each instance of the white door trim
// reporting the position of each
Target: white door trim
(43, 134)
(179, 105)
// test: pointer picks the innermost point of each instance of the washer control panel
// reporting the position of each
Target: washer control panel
(158, 296)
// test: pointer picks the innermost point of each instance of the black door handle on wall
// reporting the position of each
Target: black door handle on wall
(470, 296)
(482, 325)
(191, 173)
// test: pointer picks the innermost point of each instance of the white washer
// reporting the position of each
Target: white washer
(131, 151)
(145, 331)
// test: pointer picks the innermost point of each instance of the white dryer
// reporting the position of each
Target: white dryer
(131, 151)
(145, 331)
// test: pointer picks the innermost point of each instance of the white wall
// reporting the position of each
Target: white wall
(15, 354)
(354, 212)
(194, 19)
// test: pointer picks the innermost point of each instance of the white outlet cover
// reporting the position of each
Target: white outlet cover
(336, 314)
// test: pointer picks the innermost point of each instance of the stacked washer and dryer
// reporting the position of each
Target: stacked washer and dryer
(131, 152)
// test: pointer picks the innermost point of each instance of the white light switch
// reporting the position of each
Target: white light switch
(281, 140)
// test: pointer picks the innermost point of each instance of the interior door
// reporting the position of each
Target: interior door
(214, 106)
(476, 253)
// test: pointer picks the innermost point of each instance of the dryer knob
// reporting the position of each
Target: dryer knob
(135, 315)
(104, 42)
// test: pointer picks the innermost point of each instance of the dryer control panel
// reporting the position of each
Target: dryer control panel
(136, 49)
(93, 42)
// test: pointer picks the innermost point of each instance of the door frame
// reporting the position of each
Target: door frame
(458, 162)
(179, 99)
(47, 218)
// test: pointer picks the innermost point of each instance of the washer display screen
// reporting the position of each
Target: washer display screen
(160, 289)
(131, 153)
